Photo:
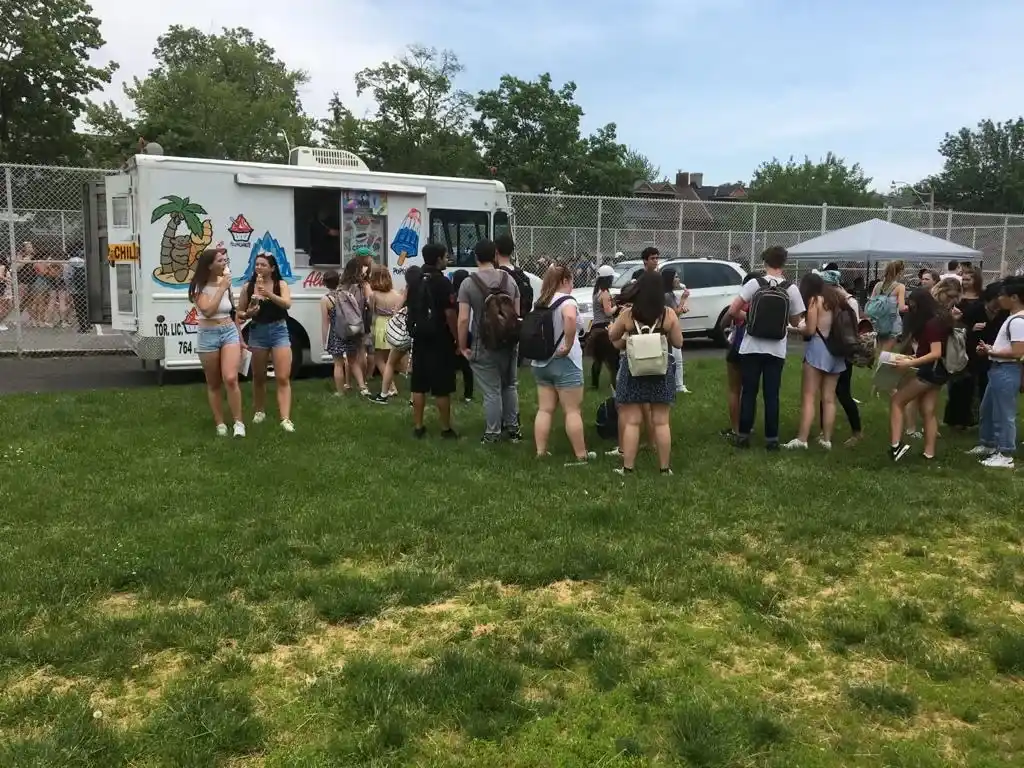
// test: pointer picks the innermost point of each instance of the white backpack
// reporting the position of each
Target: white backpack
(647, 351)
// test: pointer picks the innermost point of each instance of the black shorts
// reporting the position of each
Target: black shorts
(433, 370)
(934, 374)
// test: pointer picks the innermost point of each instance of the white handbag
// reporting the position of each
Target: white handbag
(397, 332)
(646, 351)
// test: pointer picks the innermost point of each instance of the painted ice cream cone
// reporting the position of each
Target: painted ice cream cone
(402, 257)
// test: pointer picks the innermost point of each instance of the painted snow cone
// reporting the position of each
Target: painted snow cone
(240, 230)
(407, 238)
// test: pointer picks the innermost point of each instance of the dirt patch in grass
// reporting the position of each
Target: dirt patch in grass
(125, 604)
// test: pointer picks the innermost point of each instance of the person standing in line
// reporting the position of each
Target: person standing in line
(599, 347)
(77, 287)
(844, 386)
(458, 277)
(886, 305)
(998, 439)
(333, 345)
(504, 247)
(560, 378)
(774, 305)
(651, 257)
(432, 326)
(494, 360)
(954, 271)
(647, 314)
(961, 395)
(679, 306)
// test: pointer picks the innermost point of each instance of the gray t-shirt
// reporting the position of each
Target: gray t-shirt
(470, 293)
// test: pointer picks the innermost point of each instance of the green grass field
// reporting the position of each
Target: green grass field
(346, 596)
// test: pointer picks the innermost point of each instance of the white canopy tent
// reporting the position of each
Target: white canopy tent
(878, 240)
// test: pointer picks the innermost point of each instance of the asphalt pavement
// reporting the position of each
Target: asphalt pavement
(104, 371)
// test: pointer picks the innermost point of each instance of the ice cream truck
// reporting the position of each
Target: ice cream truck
(312, 215)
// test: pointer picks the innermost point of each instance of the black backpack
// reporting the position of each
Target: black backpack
(845, 341)
(768, 316)
(537, 337)
(422, 314)
(525, 289)
(608, 420)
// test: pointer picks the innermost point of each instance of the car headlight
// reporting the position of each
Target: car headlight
(586, 309)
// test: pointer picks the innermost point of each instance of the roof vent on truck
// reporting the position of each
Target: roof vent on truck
(326, 158)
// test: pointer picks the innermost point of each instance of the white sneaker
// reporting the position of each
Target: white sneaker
(3, 328)
(287, 426)
(795, 444)
(826, 444)
(222, 430)
(915, 433)
(591, 455)
(239, 430)
(613, 452)
(259, 417)
(981, 450)
(683, 391)
(998, 461)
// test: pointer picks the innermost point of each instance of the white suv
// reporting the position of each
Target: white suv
(712, 283)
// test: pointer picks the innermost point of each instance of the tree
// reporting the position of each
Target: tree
(530, 133)
(983, 169)
(420, 122)
(45, 76)
(342, 130)
(830, 181)
(211, 95)
(641, 166)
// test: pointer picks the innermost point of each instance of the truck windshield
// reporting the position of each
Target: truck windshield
(459, 232)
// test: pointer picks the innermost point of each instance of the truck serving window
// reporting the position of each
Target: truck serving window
(318, 225)
(459, 232)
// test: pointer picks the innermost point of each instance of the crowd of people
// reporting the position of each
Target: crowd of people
(51, 289)
(485, 325)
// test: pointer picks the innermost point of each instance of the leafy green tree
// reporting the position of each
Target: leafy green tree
(983, 169)
(420, 124)
(45, 77)
(211, 95)
(830, 181)
(641, 167)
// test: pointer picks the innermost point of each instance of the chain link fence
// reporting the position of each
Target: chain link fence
(52, 301)
(584, 231)
(49, 297)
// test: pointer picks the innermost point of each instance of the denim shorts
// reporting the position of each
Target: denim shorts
(212, 339)
(269, 335)
(560, 373)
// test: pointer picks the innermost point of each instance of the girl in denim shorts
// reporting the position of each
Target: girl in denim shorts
(264, 302)
(220, 345)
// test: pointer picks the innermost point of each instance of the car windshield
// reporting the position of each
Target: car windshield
(624, 273)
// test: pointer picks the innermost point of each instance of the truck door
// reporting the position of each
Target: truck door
(122, 254)
(95, 244)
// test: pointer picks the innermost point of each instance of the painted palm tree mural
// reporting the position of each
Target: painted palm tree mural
(178, 253)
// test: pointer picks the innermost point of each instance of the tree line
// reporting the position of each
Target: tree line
(228, 95)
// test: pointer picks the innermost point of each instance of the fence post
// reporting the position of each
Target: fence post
(1003, 266)
(728, 245)
(63, 236)
(949, 224)
(597, 256)
(533, 253)
(13, 245)
(753, 236)
(615, 241)
(575, 244)
(888, 213)
(679, 232)
(824, 218)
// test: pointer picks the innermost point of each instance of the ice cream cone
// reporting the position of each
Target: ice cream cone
(402, 257)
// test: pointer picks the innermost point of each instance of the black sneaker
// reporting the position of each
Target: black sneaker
(772, 446)
(490, 439)
(419, 432)
(449, 434)
(379, 399)
(898, 452)
(739, 441)
(728, 434)
(515, 436)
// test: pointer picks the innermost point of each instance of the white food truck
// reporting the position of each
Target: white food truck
(312, 215)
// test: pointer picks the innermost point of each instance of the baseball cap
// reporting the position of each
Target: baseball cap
(619, 254)
(605, 270)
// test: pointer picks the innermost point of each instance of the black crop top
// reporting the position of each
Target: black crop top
(269, 312)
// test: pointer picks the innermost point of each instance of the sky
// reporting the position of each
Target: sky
(707, 86)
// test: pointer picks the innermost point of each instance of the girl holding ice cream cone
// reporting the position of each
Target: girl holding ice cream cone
(219, 342)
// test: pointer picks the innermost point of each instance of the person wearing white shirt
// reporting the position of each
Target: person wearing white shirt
(998, 429)
(763, 357)
(954, 270)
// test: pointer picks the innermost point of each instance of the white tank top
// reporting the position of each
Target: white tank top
(224, 308)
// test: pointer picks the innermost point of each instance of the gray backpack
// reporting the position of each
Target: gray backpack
(348, 314)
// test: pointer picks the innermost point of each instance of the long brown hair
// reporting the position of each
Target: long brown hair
(201, 277)
(380, 279)
(554, 277)
(893, 272)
